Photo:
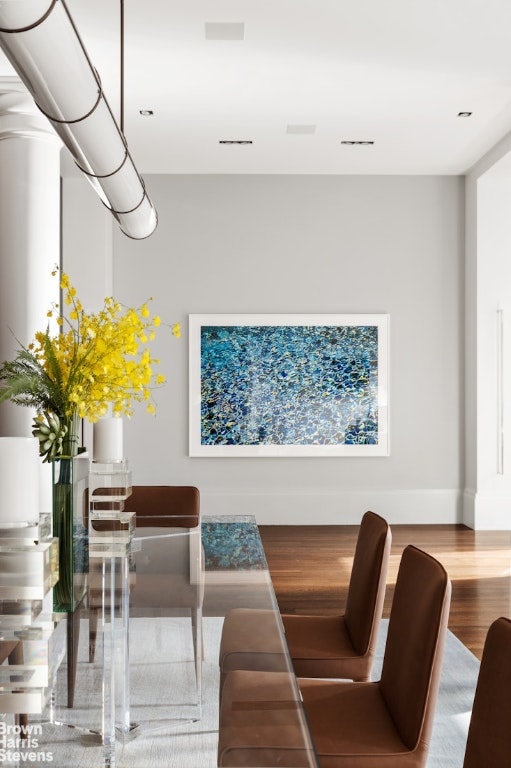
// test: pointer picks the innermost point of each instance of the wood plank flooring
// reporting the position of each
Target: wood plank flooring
(310, 568)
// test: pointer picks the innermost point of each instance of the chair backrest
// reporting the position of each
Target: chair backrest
(489, 734)
(171, 506)
(368, 579)
(414, 648)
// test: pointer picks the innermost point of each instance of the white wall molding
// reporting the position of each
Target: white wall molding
(487, 512)
(469, 503)
(335, 507)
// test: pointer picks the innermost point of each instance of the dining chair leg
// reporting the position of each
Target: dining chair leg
(93, 632)
(13, 651)
(73, 637)
(198, 649)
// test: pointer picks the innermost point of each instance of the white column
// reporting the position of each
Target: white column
(29, 231)
(487, 498)
(29, 240)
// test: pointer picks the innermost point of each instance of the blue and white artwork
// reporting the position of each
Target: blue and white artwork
(278, 386)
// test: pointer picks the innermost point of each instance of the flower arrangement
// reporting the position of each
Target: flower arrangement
(96, 362)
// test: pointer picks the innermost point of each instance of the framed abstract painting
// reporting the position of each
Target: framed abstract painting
(289, 385)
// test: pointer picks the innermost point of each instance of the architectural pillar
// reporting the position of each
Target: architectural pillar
(29, 231)
(487, 497)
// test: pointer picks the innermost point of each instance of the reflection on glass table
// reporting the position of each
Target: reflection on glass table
(163, 663)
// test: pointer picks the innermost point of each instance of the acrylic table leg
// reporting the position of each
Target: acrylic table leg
(107, 631)
(122, 652)
(115, 647)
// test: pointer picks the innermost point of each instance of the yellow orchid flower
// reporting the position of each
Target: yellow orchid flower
(96, 360)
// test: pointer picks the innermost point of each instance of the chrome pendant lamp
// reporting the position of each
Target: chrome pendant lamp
(43, 45)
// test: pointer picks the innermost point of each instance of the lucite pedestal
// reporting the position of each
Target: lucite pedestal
(109, 485)
(110, 534)
(30, 650)
(109, 595)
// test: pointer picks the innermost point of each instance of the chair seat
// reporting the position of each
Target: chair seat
(252, 640)
(260, 721)
(248, 736)
(321, 646)
(352, 726)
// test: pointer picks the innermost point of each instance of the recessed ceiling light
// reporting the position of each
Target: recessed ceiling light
(362, 143)
(146, 112)
(224, 30)
(236, 141)
(464, 114)
(297, 128)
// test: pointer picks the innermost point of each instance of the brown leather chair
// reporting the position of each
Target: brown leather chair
(383, 724)
(172, 506)
(340, 646)
(170, 583)
(262, 723)
(489, 734)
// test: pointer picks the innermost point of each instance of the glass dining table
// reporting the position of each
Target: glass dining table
(147, 679)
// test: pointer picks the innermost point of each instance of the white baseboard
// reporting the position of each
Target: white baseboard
(334, 507)
(486, 513)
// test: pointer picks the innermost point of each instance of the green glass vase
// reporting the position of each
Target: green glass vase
(70, 478)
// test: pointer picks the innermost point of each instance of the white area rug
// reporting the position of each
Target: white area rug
(163, 693)
(168, 685)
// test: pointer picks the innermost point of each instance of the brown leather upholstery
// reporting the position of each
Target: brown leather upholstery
(489, 735)
(344, 646)
(174, 506)
(384, 724)
(279, 739)
(320, 646)
(252, 638)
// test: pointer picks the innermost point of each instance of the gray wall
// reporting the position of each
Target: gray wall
(311, 244)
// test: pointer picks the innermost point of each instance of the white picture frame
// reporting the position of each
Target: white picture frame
(289, 385)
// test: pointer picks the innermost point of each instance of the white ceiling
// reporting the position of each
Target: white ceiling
(396, 72)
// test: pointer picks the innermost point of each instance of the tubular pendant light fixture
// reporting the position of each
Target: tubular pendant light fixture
(41, 41)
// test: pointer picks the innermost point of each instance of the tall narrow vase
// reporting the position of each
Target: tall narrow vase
(70, 514)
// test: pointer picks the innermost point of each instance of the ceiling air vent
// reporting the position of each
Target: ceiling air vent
(298, 128)
(236, 141)
(224, 30)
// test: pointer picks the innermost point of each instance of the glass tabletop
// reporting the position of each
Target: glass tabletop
(156, 608)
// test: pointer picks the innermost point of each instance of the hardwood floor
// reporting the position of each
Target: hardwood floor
(311, 565)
